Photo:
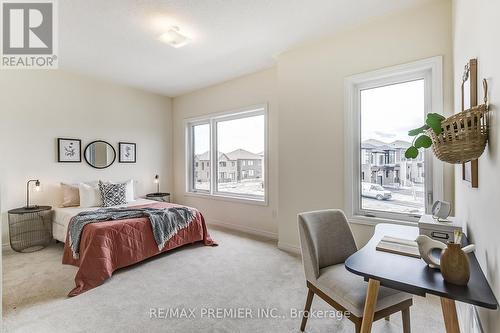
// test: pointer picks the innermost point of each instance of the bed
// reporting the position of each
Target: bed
(108, 246)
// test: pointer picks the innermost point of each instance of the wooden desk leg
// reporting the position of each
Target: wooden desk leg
(450, 315)
(370, 303)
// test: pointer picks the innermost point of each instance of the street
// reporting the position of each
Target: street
(402, 201)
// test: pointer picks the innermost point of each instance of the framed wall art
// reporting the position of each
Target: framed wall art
(469, 99)
(127, 152)
(69, 150)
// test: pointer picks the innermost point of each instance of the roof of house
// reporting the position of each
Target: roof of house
(238, 154)
(206, 156)
(242, 154)
(379, 145)
(400, 144)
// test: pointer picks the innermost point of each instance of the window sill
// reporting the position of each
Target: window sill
(220, 197)
(373, 221)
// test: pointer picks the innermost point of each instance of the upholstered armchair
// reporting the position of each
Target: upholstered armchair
(326, 242)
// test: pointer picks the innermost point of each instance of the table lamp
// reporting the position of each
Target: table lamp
(157, 182)
(37, 189)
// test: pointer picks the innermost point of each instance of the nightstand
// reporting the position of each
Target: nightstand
(162, 197)
(30, 229)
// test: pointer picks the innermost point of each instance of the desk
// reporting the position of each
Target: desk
(412, 275)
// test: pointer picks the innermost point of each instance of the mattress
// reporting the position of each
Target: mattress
(62, 216)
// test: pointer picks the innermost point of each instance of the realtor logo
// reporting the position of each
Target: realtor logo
(28, 34)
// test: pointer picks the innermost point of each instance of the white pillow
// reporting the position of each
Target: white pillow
(90, 196)
(129, 190)
(70, 194)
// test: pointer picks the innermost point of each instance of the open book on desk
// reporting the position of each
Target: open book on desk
(399, 246)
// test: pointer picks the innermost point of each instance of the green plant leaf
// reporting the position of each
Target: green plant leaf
(411, 152)
(417, 131)
(436, 115)
(423, 141)
(434, 123)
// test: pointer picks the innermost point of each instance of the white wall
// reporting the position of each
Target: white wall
(250, 90)
(311, 101)
(39, 106)
(475, 35)
(308, 88)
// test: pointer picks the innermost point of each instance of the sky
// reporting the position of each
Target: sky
(244, 133)
(389, 112)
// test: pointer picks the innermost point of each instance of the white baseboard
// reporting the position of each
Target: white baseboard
(468, 318)
(245, 229)
(288, 247)
(6, 247)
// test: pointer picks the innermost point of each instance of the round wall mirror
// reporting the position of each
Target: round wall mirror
(100, 154)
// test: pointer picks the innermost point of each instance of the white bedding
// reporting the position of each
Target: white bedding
(62, 216)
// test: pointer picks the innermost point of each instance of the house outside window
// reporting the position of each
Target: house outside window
(381, 183)
(237, 143)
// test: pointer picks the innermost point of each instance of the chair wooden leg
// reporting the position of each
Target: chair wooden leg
(358, 326)
(388, 318)
(307, 308)
(450, 315)
(370, 304)
(406, 320)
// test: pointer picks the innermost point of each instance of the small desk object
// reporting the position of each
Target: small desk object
(30, 229)
(160, 196)
(442, 231)
(412, 275)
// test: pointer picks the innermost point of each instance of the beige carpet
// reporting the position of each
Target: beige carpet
(243, 272)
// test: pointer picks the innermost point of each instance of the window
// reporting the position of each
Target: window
(230, 141)
(201, 138)
(381, 108)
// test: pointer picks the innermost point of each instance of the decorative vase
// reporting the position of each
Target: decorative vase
(455, 265)
(425, 246)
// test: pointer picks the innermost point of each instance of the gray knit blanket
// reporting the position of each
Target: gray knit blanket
(165, 222)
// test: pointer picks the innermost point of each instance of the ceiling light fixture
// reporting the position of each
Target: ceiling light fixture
(174, 38)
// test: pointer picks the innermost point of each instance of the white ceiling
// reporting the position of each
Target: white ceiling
(117, 39)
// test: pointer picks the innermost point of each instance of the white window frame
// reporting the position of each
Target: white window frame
(429, 69)
(212, 120)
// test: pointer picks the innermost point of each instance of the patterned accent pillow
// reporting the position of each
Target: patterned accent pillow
(112, 194)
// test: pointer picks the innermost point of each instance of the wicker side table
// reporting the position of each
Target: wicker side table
(160, 196)
(30, 230)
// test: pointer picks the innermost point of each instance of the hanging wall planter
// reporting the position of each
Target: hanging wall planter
(463, 137)
(457, 139)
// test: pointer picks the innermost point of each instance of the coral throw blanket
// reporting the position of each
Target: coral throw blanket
(110, 245)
